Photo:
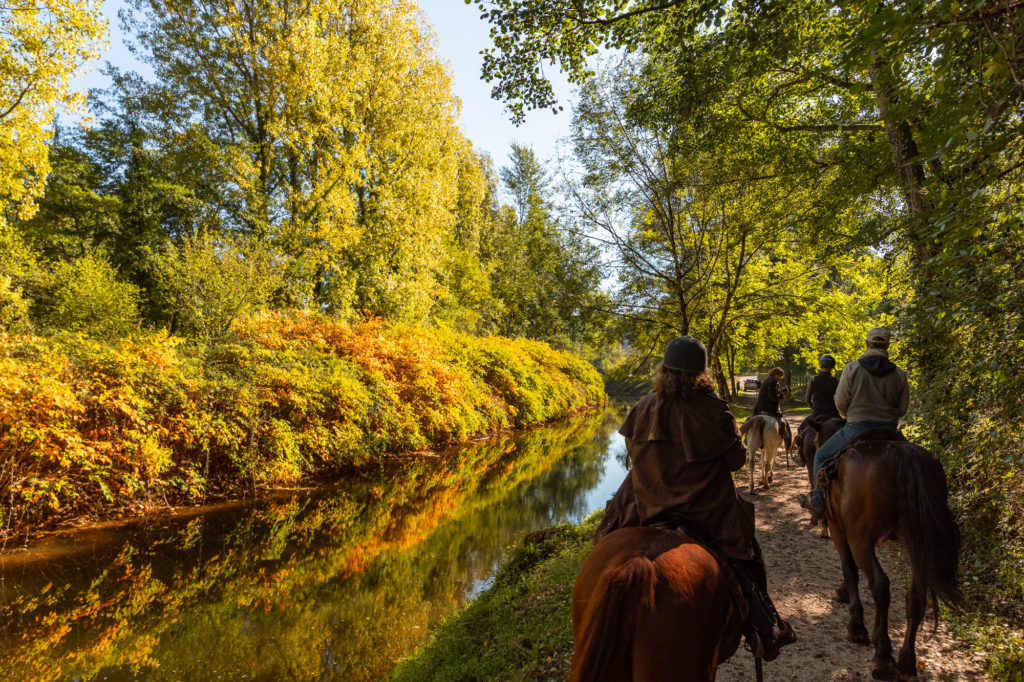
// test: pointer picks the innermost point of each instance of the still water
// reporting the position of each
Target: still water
(336, 584)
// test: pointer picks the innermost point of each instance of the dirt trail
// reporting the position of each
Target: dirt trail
(803, 570)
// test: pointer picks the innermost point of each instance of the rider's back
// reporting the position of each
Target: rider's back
(872, 389)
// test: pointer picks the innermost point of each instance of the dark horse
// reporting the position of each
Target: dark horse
(889, 489)
(650, 605)
(821, 429)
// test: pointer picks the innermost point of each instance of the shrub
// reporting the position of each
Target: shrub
(16, 266)
(85, 296)
(87, 425)
(213, 282)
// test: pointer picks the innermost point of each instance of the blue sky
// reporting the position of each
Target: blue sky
(461, 35)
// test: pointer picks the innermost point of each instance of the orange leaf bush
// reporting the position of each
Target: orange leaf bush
(89, 425)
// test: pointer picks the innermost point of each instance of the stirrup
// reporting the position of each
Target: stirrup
(779, 637)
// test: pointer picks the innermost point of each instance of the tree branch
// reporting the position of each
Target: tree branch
(628, 15)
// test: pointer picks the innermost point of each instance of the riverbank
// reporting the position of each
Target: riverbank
(336, 583)
(89, 429)
(521, 628)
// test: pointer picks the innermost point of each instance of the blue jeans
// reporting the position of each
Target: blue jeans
(836, 444)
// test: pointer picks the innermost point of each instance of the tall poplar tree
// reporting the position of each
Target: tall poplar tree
(328, 130)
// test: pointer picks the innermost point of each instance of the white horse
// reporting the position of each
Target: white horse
(764, 433)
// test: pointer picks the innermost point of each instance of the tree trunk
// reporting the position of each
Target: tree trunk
(724, 387)
(904, 151)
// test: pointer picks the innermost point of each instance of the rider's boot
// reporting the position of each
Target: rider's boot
(764, 624)
(775, 633)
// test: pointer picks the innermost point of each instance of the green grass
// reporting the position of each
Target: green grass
(741, 413)
(520, 629)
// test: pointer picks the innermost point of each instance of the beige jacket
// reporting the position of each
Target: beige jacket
(873, 389)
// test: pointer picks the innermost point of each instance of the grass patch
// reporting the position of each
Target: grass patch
(521, 628)
(741, 413)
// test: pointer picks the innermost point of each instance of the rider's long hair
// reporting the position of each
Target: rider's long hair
(673, 383)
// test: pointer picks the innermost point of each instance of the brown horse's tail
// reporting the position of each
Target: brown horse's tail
(603, 653)
(927, 526)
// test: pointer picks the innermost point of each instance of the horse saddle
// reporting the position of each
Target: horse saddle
(879, 434)
(830, 468)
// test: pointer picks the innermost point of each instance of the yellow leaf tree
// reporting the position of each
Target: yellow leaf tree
(42, 43)
(326, 129)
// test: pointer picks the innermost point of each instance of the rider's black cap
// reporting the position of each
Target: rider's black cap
(686, 354)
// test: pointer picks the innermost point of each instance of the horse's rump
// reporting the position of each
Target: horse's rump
(825, 427)
(760, 421)
(818, 420)
(647, 597)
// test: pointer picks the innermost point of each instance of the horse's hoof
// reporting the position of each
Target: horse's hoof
(884, 668)
(907, 667)
(842, 594)
(858, 635)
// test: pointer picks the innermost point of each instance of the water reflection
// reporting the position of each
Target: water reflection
(333, 585)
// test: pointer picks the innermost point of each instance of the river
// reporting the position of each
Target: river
(337, 583)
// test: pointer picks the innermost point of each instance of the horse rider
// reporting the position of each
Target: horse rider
(769, 397)
(683, 443)
(873, 393)
(821, 394)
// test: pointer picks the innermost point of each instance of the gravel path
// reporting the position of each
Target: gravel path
(803, 570)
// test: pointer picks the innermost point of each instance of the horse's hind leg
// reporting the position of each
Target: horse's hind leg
(848, 591)
(751, 457)
(883, 666)
(915, 614)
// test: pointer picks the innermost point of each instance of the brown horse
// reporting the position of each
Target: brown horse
(821, 429)
(887, 490)
(649, 605)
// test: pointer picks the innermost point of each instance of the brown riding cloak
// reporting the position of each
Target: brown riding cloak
(683, 452)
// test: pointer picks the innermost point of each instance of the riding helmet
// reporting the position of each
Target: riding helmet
(686, 354)
(827, 362)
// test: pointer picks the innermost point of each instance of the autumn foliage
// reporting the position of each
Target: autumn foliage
(87, 426)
